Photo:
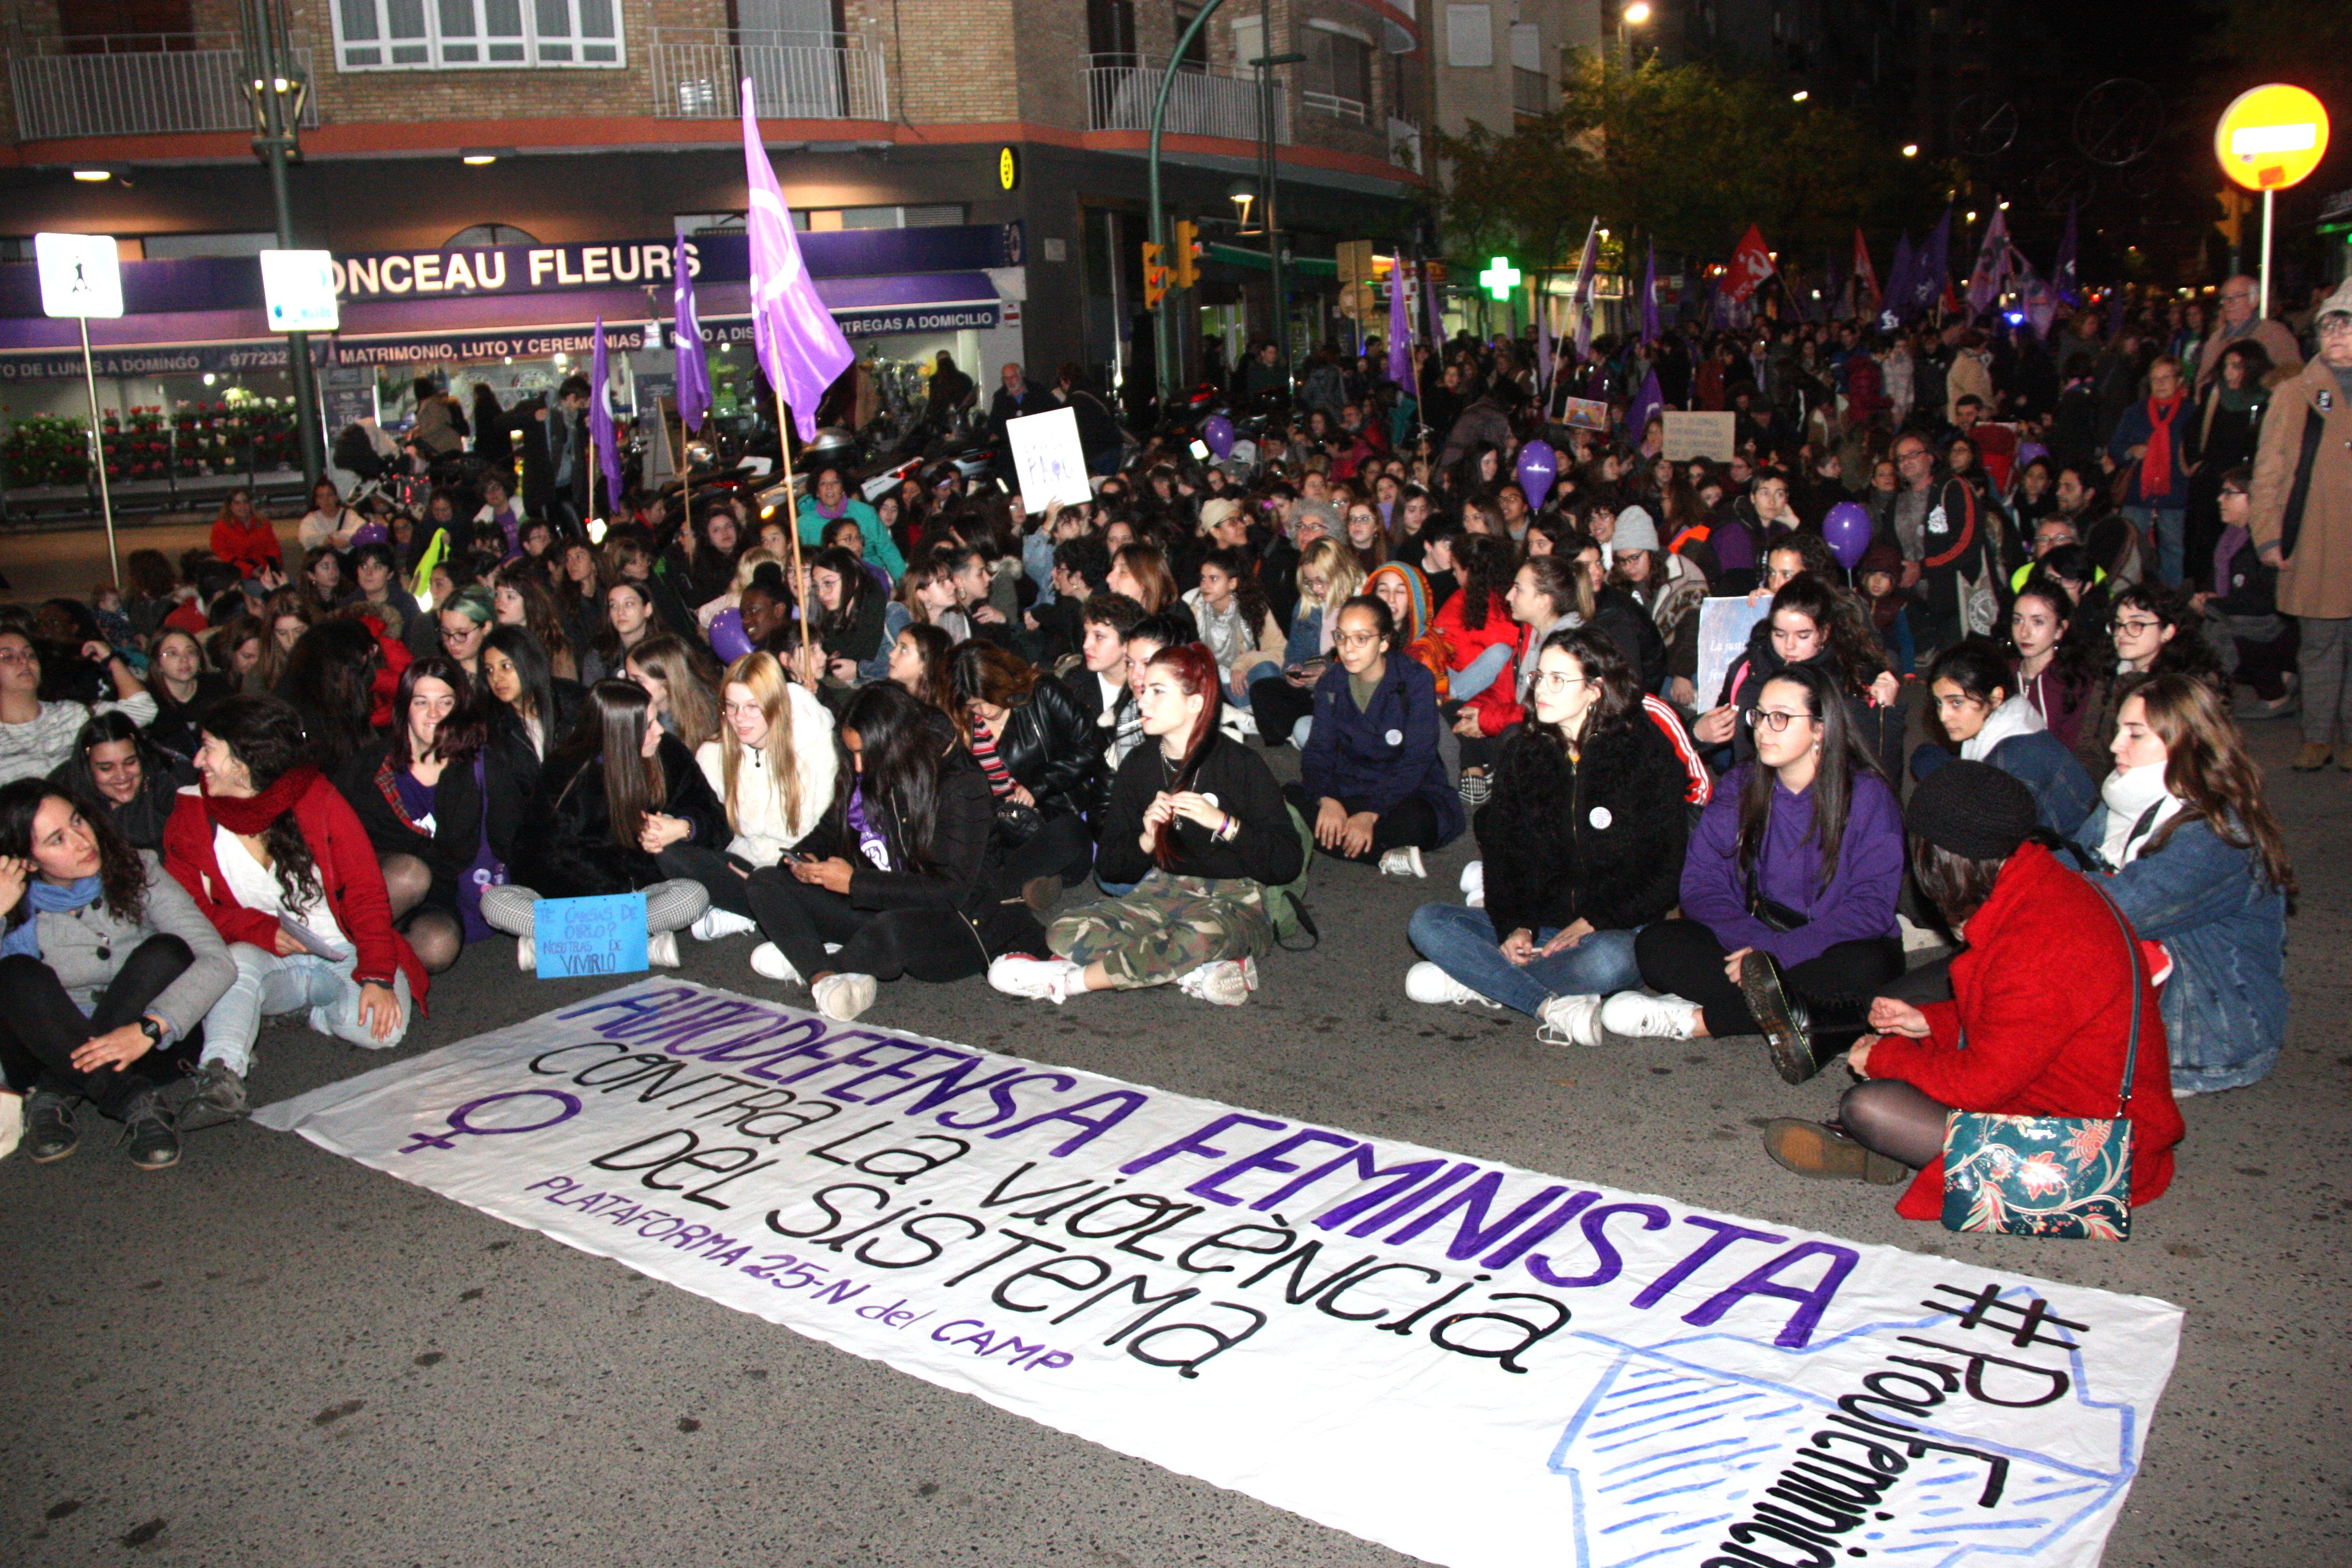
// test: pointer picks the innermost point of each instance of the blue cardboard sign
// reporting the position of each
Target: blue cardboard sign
(590, 936)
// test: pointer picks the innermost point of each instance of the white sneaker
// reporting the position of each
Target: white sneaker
(842, 997)
(1473, 884)
(1227, 982)
(1425, 982)
(526, 955)
(1054, 980)
(1644, 1017)
(717, 923)
(1404, 862)
(769, 959)
(661, 949)
(1570, 1021)
(12, 1122)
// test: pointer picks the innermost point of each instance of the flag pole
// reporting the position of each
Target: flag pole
(791, 519)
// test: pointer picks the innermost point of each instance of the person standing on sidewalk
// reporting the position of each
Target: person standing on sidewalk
(2301, 521)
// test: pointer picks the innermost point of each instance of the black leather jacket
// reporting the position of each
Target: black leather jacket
(1053, 749)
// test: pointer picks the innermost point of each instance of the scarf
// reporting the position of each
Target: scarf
(1417, 590)
(2156, 462)
(253, 814)
(2128, 794)
(46, 898)
(2234, 538)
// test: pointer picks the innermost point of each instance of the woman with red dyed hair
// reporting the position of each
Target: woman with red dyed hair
(1197, 823)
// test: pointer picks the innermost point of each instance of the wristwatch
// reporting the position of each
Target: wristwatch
(152, 1030)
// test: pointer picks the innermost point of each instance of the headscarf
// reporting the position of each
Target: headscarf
(1417, 591)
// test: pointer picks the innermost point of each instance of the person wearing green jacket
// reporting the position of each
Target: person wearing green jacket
(828, 499)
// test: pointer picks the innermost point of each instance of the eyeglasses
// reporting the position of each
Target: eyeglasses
(1774, 718)
(1553, 680)
(18, 656)
(2335, 326)
(2139, 628)
(2232, 490)
(1355, 639)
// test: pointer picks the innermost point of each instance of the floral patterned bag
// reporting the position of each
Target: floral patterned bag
(2065, 1176)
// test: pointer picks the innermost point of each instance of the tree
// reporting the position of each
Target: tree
(1682, 154)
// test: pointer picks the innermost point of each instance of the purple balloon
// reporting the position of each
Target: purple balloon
(1538, 466)
(1847, 528)
(729, 640)
(1217, 435)
(370, 533)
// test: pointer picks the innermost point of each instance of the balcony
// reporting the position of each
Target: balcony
(796, 76)
(1121, 90)
(135, 85)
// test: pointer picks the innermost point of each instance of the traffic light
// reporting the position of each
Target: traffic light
(1188, 254)
(1155, 277)
(2235, 204)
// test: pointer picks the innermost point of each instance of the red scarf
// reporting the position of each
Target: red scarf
(2156, 463)
(251, 816)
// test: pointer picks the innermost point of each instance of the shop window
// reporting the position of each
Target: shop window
(433, 35)
(1338, 71)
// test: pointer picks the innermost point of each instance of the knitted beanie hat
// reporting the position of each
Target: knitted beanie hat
(1971, 809)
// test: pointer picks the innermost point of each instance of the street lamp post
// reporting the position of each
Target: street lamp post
(276, 86)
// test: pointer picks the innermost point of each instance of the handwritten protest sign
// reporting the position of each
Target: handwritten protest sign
(1692, 436)
(1724, 626)
(590, 936)
(1048, 459)
(1478, 1365)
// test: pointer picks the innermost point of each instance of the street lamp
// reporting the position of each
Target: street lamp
(1637, 12)
(276, 94)
(1911, 149)
(1801, 95)
(1241, 195)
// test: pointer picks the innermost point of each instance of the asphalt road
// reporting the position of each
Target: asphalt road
(272, 1356)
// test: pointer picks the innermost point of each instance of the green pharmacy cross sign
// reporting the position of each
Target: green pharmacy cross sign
(1501, 279)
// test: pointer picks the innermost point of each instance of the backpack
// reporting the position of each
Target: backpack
(1286, 905)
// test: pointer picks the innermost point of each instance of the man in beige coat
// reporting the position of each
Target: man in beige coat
(2301, 520)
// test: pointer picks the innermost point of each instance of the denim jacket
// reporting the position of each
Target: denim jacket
(2225, 1005)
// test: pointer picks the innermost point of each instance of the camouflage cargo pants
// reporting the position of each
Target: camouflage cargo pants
(1168, 926)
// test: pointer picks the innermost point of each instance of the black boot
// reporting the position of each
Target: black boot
(1804, 1037)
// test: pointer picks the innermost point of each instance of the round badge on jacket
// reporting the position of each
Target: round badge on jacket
(1600, 817)
(1394, 737)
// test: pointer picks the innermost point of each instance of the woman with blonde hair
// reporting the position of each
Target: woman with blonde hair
(677, 676)
(773, 767)
(1328, 577)
(2196, 862)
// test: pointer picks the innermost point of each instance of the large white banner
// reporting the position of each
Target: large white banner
(1477, 1365)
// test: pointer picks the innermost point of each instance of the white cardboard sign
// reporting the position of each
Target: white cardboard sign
(1048, 460)
(298, 287)
(1700, 435)
(81, 274)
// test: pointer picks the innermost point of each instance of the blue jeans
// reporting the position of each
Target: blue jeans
(2164, 532)
(1464, 942)
(268, 984)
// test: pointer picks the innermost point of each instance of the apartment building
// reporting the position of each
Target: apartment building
(1006, 138)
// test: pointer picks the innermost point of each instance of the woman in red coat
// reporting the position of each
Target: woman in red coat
(279, 863)
(243, 538)
(2041, 992)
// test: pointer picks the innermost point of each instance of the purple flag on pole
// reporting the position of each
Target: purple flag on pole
(1400, 331)
(1650, 332)
(1580, 301)
(1992, 264)
(600, 423)
(1933, 261)
(693, 368)
(799, 345)
(1895, 305)
(1648, 402)
(2062, 276)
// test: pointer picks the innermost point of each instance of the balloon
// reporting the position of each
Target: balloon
(1847, 528)
(370, 533)
(729, 640)
(1217, 434)
(1538, 466)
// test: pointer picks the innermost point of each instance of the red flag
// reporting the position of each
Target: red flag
(1751, 265)
(1865, 276)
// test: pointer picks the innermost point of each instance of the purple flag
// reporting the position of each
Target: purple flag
(1400, 331)
(693, 368)
(2041, 303)
(1896, 303)
(1933, 261)
(1992, 264)
(2062, 276)
(799, 345)
(1650, 332)
(1580, 299)
(1648, 404)
(600, 423)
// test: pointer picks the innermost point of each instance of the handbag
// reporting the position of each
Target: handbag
(2063, 1176)
(1777, 917)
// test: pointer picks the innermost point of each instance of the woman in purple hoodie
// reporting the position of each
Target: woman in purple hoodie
(1788, 890)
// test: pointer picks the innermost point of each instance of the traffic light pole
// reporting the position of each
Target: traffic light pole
(276, 94)
(1164, 367)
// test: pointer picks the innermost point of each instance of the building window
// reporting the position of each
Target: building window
(1470, 37)
(1338, 71)
(1110, 32)
(456, 35)
(1197, 57)
(1531, 93)
(1408, 91)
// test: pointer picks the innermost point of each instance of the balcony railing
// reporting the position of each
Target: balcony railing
(1332, 104)
(796, 75)
(1120, 91)
(147, 84)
